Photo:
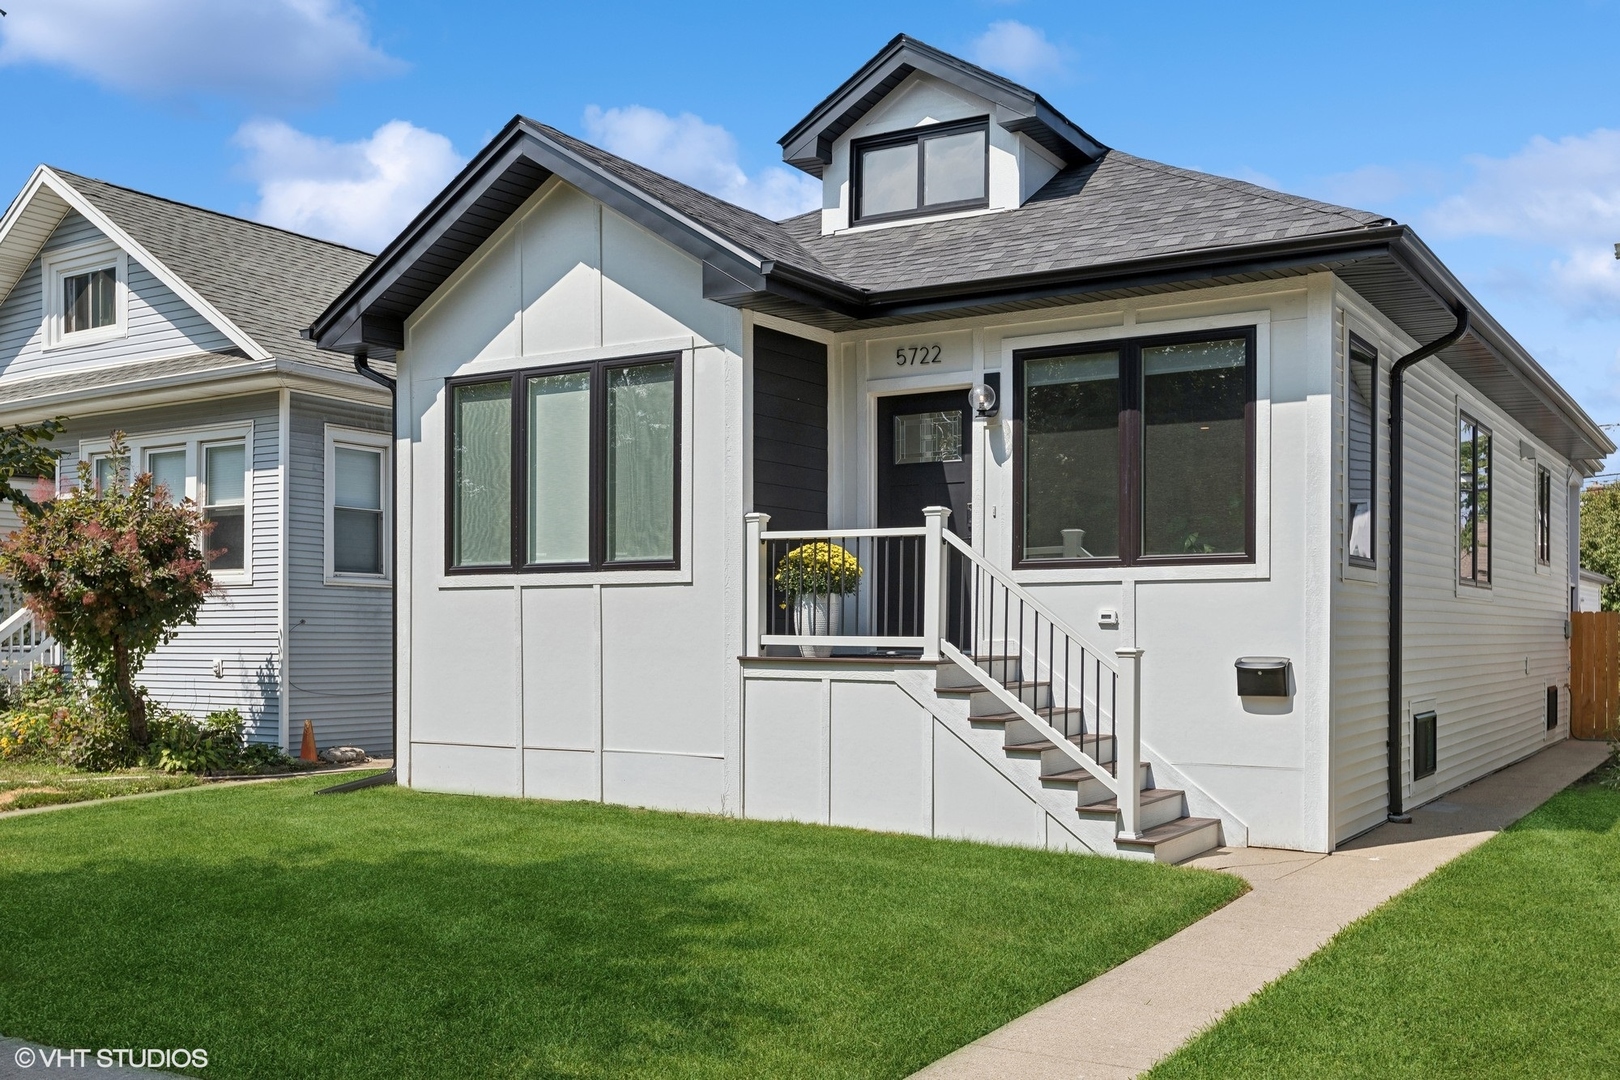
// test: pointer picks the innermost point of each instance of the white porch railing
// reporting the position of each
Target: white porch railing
(927, 590)
(23, 645)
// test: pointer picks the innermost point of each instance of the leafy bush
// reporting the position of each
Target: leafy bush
(54, 719)
(182, 743)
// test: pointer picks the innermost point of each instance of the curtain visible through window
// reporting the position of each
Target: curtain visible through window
(1473, 501)
(560, 468)
(640, 463)
(224, 501)
(1360, 450)
(89, 300)
(481, 511)
(357, 511)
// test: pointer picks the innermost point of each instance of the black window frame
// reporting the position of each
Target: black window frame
(518, 379)
(1358, 345)
(1131, 430)
(1477, 580)
(1425, 744)
(1543, 515)
(858, 147)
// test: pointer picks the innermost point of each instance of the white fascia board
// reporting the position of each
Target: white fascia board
(248, 377)
(25, 212)
(153, 265)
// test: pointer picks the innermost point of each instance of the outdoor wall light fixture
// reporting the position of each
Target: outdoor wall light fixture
(983, 397)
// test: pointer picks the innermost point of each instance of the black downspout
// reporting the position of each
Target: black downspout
(1396, 471)
(391, 776)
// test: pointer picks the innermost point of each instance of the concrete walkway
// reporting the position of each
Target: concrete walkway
(1120, 1023)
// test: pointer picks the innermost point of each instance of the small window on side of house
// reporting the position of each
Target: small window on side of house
(357, 504)
(1543, 516)
(1473, 501)
(1361, 452)
(169, 473)
(89, 300)
(224, 504)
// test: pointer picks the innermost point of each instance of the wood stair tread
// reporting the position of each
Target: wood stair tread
(1072, 776)
(976, 688)
(1148, 796)
(1046, 744)
(1008, 717)
(1170, 830)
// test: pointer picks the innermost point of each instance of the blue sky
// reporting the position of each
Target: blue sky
(1494, 129)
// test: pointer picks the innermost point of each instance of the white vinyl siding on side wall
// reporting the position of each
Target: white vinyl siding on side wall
(238, 624)
(341, 652)
(1484, 656)
(159, 323)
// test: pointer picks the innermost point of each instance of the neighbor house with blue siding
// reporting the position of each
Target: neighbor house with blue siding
(121, 311)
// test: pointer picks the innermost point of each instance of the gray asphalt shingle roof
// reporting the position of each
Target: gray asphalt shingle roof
(270, 282)
(1116, 209)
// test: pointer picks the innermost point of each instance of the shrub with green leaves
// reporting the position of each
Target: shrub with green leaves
(112, 572)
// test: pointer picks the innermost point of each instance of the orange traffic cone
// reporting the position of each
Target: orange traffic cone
(307, 751)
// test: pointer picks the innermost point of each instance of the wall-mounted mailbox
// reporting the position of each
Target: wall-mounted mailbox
(1262, 676)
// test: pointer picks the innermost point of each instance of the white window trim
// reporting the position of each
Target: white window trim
(193, 440)
(358, 440)
(56, 266)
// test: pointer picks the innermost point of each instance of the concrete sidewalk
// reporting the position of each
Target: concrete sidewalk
(1120, 1023)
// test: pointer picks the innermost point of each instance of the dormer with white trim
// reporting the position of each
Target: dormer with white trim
(919, 135)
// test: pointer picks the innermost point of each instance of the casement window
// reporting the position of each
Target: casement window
(1473, 501)
(209, 466)
(86, 294)
(1361, 452)
(1543, 516)
(1136, 452)
(933, 169)
(568, 468)
(358, 493)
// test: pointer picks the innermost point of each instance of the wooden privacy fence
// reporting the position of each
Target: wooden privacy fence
(1594, 674)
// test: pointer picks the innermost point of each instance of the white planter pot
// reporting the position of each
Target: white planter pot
(817, 615)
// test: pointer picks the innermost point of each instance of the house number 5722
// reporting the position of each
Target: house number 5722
(911, 355)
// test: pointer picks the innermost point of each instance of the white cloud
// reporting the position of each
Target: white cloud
(1016, 49)
(359, 193)
(701, 154)
(1564, 195)
(269, 51)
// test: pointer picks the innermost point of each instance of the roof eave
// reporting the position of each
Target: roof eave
(808, 144)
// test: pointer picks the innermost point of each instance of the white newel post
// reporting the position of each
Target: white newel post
(933, 579)
(1128, 741)
(754, 566)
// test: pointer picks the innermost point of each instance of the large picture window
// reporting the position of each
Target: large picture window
(1136, 451)
(1473, 501)
(566, 468)
(927, 170)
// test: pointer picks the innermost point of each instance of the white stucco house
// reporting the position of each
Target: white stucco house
(123, 311)
(1110, 441)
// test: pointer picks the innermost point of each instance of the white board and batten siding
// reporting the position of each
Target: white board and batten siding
(238, 624)
(1482, 658)
(617, 685)
(340, 651)
(159, 323)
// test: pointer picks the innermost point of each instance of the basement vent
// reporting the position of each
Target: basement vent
(1552, 707)
(1424, 745)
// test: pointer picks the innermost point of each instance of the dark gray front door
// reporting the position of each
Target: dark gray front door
(925, 458)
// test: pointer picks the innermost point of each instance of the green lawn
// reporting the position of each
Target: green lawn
(390, 933)
(1505, 963)
(24, 785)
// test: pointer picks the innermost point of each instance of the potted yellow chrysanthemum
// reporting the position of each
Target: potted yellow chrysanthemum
(811, 576)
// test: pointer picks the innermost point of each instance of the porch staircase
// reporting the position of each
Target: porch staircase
(1166, 832)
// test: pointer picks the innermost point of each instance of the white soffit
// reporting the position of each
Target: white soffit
(44, 202)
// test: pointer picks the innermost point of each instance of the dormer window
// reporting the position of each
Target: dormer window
(86, 291)
(928, 170)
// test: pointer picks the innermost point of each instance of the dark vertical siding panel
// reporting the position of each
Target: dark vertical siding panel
(790, 430)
